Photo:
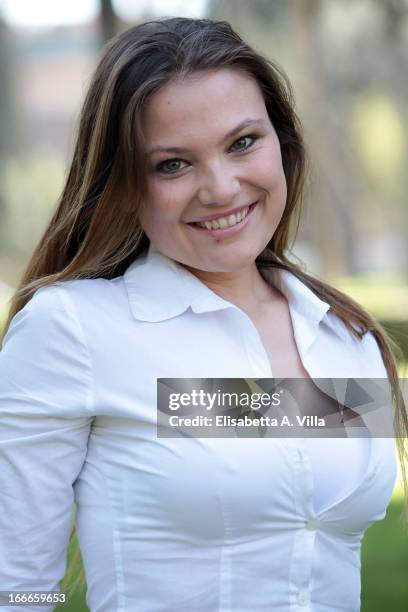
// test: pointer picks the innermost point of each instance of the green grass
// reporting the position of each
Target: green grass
(385, 563)
(76, 603)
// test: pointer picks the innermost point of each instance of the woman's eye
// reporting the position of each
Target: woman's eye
(172, 166)
(169, 166)
(243, 142)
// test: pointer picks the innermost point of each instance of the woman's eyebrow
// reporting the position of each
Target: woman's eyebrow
(245, 123)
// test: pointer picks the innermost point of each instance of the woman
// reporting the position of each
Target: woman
(168, 257)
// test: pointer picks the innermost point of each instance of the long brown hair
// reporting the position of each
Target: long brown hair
(95, 230)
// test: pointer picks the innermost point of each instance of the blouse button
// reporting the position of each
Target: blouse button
(312, 524)
(303, 598)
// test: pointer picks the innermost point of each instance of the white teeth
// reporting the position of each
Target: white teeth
(223, 222)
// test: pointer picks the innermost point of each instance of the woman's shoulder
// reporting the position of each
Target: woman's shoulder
(64, 308)
(87, 296)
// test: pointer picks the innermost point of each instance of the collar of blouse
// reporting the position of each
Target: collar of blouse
(160, 288)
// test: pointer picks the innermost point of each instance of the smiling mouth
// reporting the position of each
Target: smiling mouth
(224, 222)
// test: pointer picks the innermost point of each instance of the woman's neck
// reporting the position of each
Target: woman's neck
(245, 288)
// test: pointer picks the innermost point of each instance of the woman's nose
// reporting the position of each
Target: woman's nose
(219, 185)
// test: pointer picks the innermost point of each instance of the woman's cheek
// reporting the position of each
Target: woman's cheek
(266, 168)
(170, 196)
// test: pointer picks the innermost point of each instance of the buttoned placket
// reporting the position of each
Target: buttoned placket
(305, 537)
(304, 541)
(301, 567)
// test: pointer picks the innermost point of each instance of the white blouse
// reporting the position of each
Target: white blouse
(176, 524)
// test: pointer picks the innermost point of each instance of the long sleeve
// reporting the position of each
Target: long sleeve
(45, 420)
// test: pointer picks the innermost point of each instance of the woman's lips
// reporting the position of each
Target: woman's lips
(227, 231)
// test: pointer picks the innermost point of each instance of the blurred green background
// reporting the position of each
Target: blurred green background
(347, 62)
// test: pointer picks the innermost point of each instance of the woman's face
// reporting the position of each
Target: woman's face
(214, 156)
